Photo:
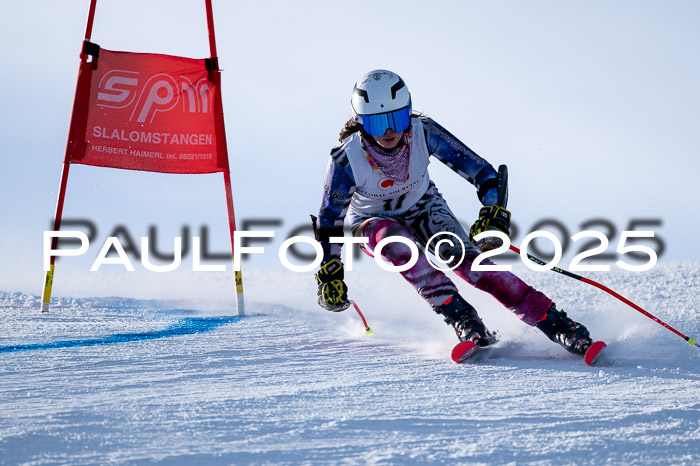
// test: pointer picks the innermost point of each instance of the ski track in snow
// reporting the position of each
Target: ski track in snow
(290, 383)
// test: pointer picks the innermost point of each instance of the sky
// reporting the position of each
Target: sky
(593, 105)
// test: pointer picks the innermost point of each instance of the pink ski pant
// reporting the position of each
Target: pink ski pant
(435, 287)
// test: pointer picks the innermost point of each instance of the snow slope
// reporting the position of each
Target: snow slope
(122, 380)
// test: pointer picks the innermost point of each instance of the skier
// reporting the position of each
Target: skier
(379, 177)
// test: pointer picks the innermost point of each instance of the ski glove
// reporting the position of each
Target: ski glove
(490, 218)
(332, 290)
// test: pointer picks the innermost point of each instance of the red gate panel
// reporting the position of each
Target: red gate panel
(150, 112)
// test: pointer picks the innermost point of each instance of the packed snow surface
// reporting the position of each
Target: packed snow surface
(120, 380)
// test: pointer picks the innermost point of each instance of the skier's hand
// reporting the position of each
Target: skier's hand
(492, 218)
(332, 290)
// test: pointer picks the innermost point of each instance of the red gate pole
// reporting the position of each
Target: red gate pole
(237, 275)
(48, 278)
(210, 27)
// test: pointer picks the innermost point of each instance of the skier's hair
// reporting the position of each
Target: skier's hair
(351, 126)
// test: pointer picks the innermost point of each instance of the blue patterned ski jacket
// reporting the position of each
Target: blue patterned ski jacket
(340, 185)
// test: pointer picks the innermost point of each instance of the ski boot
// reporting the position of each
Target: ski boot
(573, 336)
(464, 318)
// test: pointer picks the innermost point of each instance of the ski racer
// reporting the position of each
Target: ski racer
(378, 176)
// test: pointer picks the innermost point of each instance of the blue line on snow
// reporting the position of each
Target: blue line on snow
(186, 326)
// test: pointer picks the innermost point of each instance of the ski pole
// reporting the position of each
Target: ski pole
(691, 341)
(368, 329)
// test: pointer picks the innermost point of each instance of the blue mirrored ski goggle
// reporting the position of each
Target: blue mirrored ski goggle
(398, 121)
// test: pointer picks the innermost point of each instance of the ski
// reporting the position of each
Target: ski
(465, 350)
(593, 352)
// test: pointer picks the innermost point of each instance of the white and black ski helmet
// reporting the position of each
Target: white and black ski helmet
(380, 101)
